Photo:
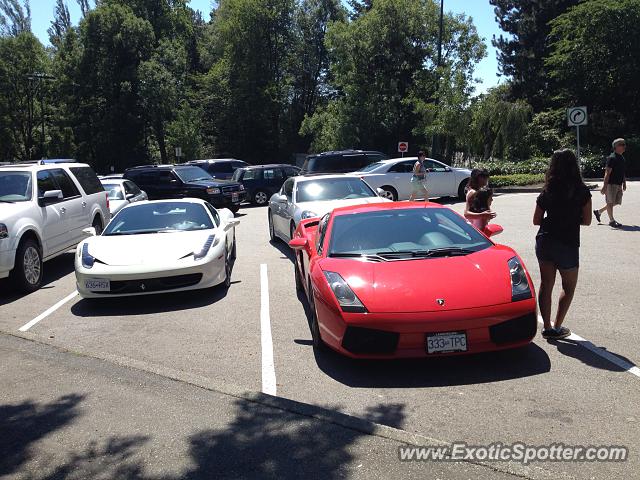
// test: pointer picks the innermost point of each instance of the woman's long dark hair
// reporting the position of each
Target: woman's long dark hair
(563, 175)
(476, 175)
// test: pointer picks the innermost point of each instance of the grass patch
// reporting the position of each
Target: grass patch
(518, 179)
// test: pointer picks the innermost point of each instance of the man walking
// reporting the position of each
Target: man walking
(615, 182)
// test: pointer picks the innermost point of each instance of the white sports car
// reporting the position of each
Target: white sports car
(312, 196)
(394, 177)
(158, 246)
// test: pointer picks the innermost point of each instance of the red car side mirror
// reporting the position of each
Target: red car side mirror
(492, 229)
(298, 243)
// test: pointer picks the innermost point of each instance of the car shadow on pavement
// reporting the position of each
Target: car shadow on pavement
(23, 424)
(53, 270)
(573, 348)
(149, 304)
(284, 249)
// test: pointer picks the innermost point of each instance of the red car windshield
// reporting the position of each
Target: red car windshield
(412, 232)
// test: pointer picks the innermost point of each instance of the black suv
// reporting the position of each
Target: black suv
(262, 181)
(341, 162)
(221, 167)
(180, 181)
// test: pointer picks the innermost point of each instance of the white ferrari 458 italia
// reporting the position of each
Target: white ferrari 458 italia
(158, 246)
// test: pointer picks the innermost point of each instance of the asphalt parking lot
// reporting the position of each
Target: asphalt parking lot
(255, 338)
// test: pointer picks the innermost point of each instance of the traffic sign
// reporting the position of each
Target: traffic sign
(178, 152)
(577, 116)
(403, 147)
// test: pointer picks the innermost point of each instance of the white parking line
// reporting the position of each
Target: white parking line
(48, 312)
(601, 352)
(268, 367)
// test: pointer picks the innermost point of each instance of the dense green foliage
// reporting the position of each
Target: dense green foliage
(266, 79)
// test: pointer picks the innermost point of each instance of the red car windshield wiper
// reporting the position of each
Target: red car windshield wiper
(433, 252)
(361, 256)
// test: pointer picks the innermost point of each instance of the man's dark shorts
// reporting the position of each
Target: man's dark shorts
(563, 256)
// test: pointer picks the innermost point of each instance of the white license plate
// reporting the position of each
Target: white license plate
(444, 342)
(100, 285)
(235, 196)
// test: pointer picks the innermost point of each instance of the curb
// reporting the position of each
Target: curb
(533, 188)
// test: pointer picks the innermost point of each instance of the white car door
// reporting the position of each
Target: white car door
(400, 174)
(440, 179)
(55, 232)
(73, 206)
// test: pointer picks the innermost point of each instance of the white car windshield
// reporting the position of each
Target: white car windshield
(407, 233)
(332, 189)
(15, 187)
(114, 191)
(159, 217)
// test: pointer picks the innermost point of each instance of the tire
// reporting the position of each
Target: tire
(97, 224)
(292, 230)
(318, 343)
(272, 234)
(260, 198)
(299, 284)
(390, 193)
(27, 271)
(227, 270)
(234, 249)
(461, 193)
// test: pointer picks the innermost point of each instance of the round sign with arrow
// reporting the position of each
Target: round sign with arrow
(577, 116)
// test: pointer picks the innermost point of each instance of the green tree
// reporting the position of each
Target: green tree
(21, 56)
(15, 17)
(522, 51)
(595, 60)
(61, 23)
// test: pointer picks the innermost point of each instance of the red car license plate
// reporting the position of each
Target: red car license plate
(444, 342)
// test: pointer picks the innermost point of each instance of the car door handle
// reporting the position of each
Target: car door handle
(84, 204)
(63, 210)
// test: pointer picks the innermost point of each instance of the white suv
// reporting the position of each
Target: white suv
(44, 209)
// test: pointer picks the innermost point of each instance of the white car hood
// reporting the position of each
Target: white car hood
(148, 249)
(12, 211)
(323, 207)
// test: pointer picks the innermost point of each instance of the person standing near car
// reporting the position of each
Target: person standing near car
(563, 205)
(419, 179)
(614, 183)
(479, 179)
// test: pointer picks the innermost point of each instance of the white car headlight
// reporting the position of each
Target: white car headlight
(348, 300)
(519, 285)
(87, 259)
(308, 214)
(205, 248)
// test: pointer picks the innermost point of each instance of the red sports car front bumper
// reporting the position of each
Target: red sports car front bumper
(404, 335)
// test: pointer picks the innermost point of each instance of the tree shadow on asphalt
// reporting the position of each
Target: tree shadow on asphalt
(149, 304)
(259, 442)
(575, 349)
(23, 424)
(53, 270)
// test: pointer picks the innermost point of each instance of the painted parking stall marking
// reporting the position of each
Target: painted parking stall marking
(601, 352)
(268, 367)
(48, 312)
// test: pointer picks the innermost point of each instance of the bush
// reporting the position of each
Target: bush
(505, 167)
(519, 179)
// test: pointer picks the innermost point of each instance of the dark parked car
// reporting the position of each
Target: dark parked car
(262, 181)
(221, 167)
(181, 181)
(341, 162)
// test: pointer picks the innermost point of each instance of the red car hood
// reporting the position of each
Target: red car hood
(477, 280)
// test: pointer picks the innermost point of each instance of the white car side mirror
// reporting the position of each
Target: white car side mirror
(230, 224)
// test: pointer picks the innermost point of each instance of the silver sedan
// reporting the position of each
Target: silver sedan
(121, 193)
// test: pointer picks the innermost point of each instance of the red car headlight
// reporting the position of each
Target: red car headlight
(519, 284)
(347, 299)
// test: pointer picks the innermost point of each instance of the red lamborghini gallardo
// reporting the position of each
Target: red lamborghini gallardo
(403, 279)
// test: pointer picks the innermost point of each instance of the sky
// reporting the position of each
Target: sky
(479, 10)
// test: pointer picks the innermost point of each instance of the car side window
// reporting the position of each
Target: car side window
(214, 214)
(131, 188)
(435, 166)
(165, 177)
(322, 230)
(290, 172)
(354, 162)
(375, 157)
(87, 179)
(46, 182)
(249, 175)
(287, 189)
(69, 189)
(403, 167)
(222, 167)
(272, 173)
